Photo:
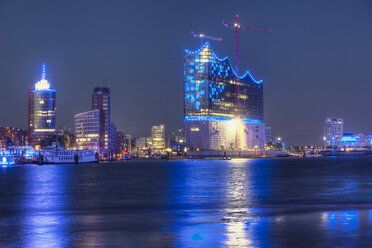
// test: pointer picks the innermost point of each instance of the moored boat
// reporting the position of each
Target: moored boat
(60, 155)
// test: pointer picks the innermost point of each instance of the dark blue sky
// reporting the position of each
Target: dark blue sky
(316, 63)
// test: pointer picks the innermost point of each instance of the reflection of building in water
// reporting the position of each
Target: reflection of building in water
(343, 220)
(45, 222)
(238, 196)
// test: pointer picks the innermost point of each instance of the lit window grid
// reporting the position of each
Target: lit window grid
(210, 88)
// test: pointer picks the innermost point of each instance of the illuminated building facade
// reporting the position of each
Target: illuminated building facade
(87, 129)
(129, 143)
(158, 137)
(356, 141)
(333, 130)
(143, 143)
(42, 110)
(214, 117)
(10, 136)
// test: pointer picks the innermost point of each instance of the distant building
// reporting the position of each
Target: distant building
(143, 143)
(67, 138)
(175, 136)
(10, 136)
(61, 137)
(350, 140)
(112, 139)
(333, 130)
(215, 118)
(41, 110)
(127, 143)
(101, 100)
(158, 137)
(120, 141)
(178, 147)
(268, 137)
(88, 129)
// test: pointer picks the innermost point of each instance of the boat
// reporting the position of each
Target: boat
(6, 159)
(60, 155)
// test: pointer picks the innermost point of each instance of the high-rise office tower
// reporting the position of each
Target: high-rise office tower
(41, 110)
(101, 100)
(333, 130)
(217, 115)
(158, 137)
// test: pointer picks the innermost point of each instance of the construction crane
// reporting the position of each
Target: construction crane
(204, 37)
(236, 26)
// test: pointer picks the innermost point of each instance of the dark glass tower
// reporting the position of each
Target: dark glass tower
(101, 100)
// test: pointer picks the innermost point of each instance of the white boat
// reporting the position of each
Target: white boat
(60, 155)
(6, 159)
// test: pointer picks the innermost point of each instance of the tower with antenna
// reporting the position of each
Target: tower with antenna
(41, 110)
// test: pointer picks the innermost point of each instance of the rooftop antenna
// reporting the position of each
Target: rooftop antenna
(43, 72)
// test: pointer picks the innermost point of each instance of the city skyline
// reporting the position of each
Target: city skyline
(299, 93)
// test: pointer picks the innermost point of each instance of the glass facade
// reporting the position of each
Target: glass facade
(210, 87)
(42, 109)
(333, 130)
(158, 137)
(87, 129)
(222, 109)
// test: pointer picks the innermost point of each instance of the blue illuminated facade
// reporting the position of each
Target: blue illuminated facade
(210, 88)
(222, 110)
(333, 130)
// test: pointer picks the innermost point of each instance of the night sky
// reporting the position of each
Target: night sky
(316, 63)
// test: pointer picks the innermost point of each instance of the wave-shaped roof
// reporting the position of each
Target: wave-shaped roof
(207, 44)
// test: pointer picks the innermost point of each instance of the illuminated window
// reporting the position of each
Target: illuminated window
(194, 129)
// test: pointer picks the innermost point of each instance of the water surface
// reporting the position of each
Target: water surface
(315, 202)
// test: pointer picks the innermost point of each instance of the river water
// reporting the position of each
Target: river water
(314, 202)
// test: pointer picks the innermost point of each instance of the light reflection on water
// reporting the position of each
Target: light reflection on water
(239, 203)
(44, 224)
(237, 218)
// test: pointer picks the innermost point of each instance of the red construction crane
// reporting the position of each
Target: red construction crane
(236, 27)
(204, 37)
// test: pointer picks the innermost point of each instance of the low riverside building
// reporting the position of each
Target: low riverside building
(87, 129)
(350, 140)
